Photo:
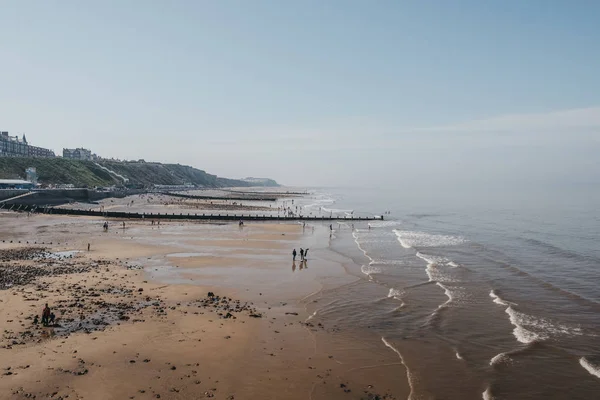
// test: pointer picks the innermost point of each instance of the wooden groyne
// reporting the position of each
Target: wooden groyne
(236, 198)
(180, 216)
(278, 194)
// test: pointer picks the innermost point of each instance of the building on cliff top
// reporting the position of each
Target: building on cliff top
(13, 146)
(79, 154)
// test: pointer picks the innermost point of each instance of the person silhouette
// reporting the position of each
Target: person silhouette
(46, 315)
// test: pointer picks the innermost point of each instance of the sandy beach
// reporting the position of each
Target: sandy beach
(178, 311)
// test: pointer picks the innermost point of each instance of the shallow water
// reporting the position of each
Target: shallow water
(480, 300)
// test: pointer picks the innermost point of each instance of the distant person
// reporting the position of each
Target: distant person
(88, 247)
(123, 224)
(52, 318)
(46, 315)
(305, 254)
(330, 227)
(301, 254)
(369, 226)
(294, 255)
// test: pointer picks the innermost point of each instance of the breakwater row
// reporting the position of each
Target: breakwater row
(195, 216)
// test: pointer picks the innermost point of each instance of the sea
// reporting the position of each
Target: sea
(483, 296)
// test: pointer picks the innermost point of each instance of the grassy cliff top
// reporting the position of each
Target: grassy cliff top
(90, 173)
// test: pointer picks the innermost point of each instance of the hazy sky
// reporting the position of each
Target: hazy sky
(313, 92)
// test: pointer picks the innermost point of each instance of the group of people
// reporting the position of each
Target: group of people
(48, 317)
(303, 254)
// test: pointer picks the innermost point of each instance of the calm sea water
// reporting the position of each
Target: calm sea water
(483, 296)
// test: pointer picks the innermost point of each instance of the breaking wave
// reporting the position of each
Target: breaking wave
(487, 395)
(589, 367)
(501, 358)
(409, 375)
(411, 239)
(528, 328)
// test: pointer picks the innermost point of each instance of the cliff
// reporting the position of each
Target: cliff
(109, 173)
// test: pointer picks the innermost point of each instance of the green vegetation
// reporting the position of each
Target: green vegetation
(57, 171)
(89, 173)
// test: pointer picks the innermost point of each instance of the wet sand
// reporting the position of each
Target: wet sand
(181, 311)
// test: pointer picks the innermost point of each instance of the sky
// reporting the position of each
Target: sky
(445, 94)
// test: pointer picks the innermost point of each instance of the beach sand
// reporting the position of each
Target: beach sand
(135, 319)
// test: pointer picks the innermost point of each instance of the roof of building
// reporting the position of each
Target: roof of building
(14, 182)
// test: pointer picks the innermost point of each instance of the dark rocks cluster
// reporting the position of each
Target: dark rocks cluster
(22, 253)
(225, 307)
(87, 309)
(15, 270)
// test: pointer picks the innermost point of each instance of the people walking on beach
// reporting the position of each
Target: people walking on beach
(294, 255)
(46, 315)
(305, 254)
(105, 226)
(301, 254)
(88, 247)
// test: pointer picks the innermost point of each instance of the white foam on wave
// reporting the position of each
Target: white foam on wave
(336, 210)
(437, 274)
(521, 333)
(388, 262)
(497, 299)
(517, 319)
(366, 269)
(487, 395)
(409, 375)
(410, 239)
(501, 358)
(589, 367)
(397, 294)
(384, 224)
(433, 259)
(458, 355)
(369, 270)
(528, 328)
(448, 294)
(321, 201)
